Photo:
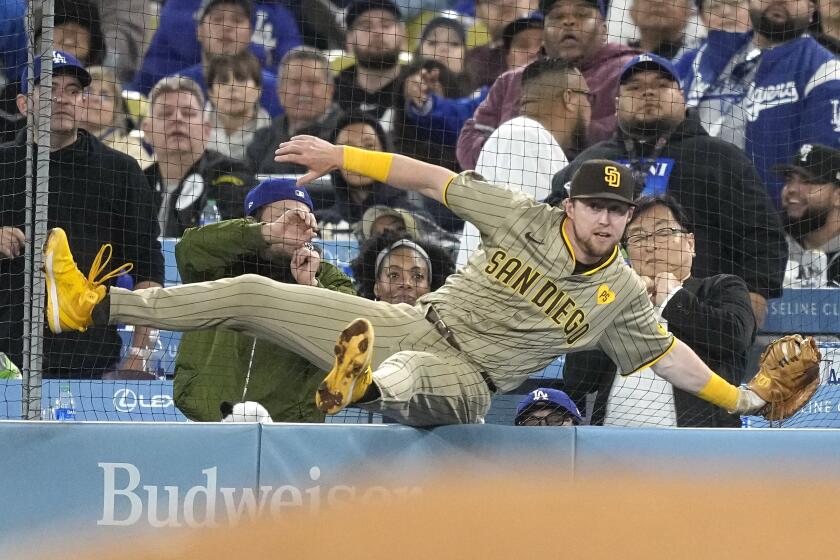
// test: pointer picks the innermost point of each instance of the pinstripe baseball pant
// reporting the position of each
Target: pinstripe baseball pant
(422, 380)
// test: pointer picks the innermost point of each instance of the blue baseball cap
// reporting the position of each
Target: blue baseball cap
(62, 63)
(649, 61)
(272, 190)
(548, 398)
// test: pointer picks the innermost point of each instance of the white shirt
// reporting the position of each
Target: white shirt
(520, 155)
(643, 398)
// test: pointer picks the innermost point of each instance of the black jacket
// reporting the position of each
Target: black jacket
(260, 153)
(225, 180)
(736, 228)
(347, 209)
(98, 195)
(711, 315)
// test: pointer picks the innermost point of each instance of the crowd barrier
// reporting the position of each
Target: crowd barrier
(108, 479)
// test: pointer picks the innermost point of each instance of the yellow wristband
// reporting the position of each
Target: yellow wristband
(720, 392)
(376, 165)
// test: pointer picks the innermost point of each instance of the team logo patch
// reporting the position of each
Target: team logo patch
(612, 176)
(605, 295)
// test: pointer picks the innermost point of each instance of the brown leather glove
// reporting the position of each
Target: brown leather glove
(788, 376)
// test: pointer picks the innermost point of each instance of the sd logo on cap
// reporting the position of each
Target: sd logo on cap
(602, 178)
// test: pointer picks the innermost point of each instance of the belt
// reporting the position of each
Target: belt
(433, 317)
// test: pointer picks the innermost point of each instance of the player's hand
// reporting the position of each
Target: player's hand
(305, 263)
(319, 156)
(12, 242)
(290, 231)
(664, 284)
(419, 86)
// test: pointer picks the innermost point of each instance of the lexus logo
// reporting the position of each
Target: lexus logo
(126, 400)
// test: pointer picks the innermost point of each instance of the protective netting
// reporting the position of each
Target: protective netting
(151, 127)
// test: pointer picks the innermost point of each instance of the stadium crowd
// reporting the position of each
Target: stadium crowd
(165, 116)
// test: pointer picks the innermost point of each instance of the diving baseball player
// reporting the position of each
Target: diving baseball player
(547, 282)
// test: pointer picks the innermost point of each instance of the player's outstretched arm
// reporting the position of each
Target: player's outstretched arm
(320, 157)
(685, 370)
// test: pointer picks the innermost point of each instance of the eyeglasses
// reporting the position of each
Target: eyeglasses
(556, 418)
(589, 95)
(661, 235)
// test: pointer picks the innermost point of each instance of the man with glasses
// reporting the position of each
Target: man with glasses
(547, 407)
(712, 315)
(96, 194)
(737, 229)
(768, 91)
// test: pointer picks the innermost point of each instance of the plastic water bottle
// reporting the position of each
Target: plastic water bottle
(155, 363)
(65, 406)
(210, 214)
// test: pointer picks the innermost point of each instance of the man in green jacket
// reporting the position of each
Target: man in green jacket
(216, 365)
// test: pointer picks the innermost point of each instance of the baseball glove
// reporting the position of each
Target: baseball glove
(788, 376)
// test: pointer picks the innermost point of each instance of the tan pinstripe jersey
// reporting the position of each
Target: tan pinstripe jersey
(517, 304)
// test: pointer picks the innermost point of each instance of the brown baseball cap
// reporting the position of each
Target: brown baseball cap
(602, 178)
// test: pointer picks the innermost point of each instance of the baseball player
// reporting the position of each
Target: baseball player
(548, 281)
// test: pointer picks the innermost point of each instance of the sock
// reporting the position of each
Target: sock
(101, 313)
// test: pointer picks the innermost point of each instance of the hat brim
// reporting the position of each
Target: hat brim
(604, 196)
(648, 65)
(787, 169)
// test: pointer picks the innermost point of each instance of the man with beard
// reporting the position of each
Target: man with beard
(736, 228)
(374, 36)
(575, 32)
(768, 91)
(811, 214)
(525, 152)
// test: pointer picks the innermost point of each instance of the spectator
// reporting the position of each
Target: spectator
(487, 62)
(825, 25)
(737, 229)
(661, 26)
(225, 28)
(768, 92)
(396, 269)
(522, 41)
(12, 40)
(375, 37)
(175, 45)
(526, 152)
(547, 407)
(95, 193)
(378, 220)
(353, 193)
(187, 175)
(234, 83)
(712, 315)
(105, 116)
(725, 15)
(216, 365)
(445, 40)
(305, 87)
(124, 25)
(574, 32)
(12, 62)
(77, 30)
(811, 216)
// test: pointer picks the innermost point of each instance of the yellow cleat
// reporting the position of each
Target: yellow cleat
(351, 375)
(71, 296)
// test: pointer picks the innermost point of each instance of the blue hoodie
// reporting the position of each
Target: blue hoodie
(12, 39)
(175, 45)
(794, 99)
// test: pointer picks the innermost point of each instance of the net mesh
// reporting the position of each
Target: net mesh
(147, 125)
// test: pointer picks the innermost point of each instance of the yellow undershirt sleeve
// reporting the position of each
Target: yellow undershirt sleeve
(376, 165)
(720, 392)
